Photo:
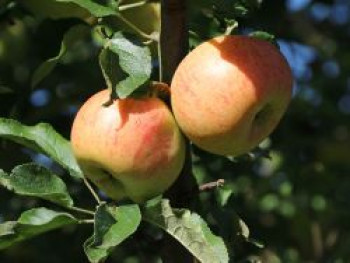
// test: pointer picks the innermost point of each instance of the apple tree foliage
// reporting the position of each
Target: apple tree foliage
(286, 201)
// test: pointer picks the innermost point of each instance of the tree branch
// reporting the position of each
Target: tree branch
(173, 48)
(173, 36)
(211, 185)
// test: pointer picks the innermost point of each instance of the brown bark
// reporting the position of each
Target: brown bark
(174, 46)
(173, 36)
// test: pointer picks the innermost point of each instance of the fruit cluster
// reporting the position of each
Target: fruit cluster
(227, 95)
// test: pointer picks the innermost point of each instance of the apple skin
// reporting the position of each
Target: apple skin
(230, 92)
(130, 148)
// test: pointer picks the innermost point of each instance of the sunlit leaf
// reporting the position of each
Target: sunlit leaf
(265, 36)
(37, 181)
(189, 229)
(7, 229)
(112, 226)
(44, 139)
(32, 223)
(126, 64)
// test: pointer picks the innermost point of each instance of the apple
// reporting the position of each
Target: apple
(230, 92)
(145, 17)
(130, 148)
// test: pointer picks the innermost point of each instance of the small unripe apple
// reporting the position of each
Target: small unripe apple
(230, 92)
(130, 148)
(145, 17)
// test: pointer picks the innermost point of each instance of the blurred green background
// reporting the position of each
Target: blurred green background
(293, 194)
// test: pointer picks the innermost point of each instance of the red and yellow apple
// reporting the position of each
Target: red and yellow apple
(130, 148)
(230, 92)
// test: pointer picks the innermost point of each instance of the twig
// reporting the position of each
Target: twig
(133, 5)
(87, 221)
(152, 36)
(210, 186)
(92, 191)
(159, 53)
(81, 210)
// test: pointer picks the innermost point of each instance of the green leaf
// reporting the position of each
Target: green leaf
(7, 228)
(265, 36)
(230, 223)
(223, 195)
(94, 7)
(112, 226)
(74, 34)
(228, 9)
(234, 230)
(3, 179)
(42, 138)
(94, 255)
(34, 180)
(189, 229)
(43, 217)
(109, 63)
(103, 222)
(126, 64)
(32, 223)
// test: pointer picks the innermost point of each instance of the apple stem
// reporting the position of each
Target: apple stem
(87, 221)
(159, 53)
(133, 5)
(92, 191)
(81, 210)
(230, 27)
